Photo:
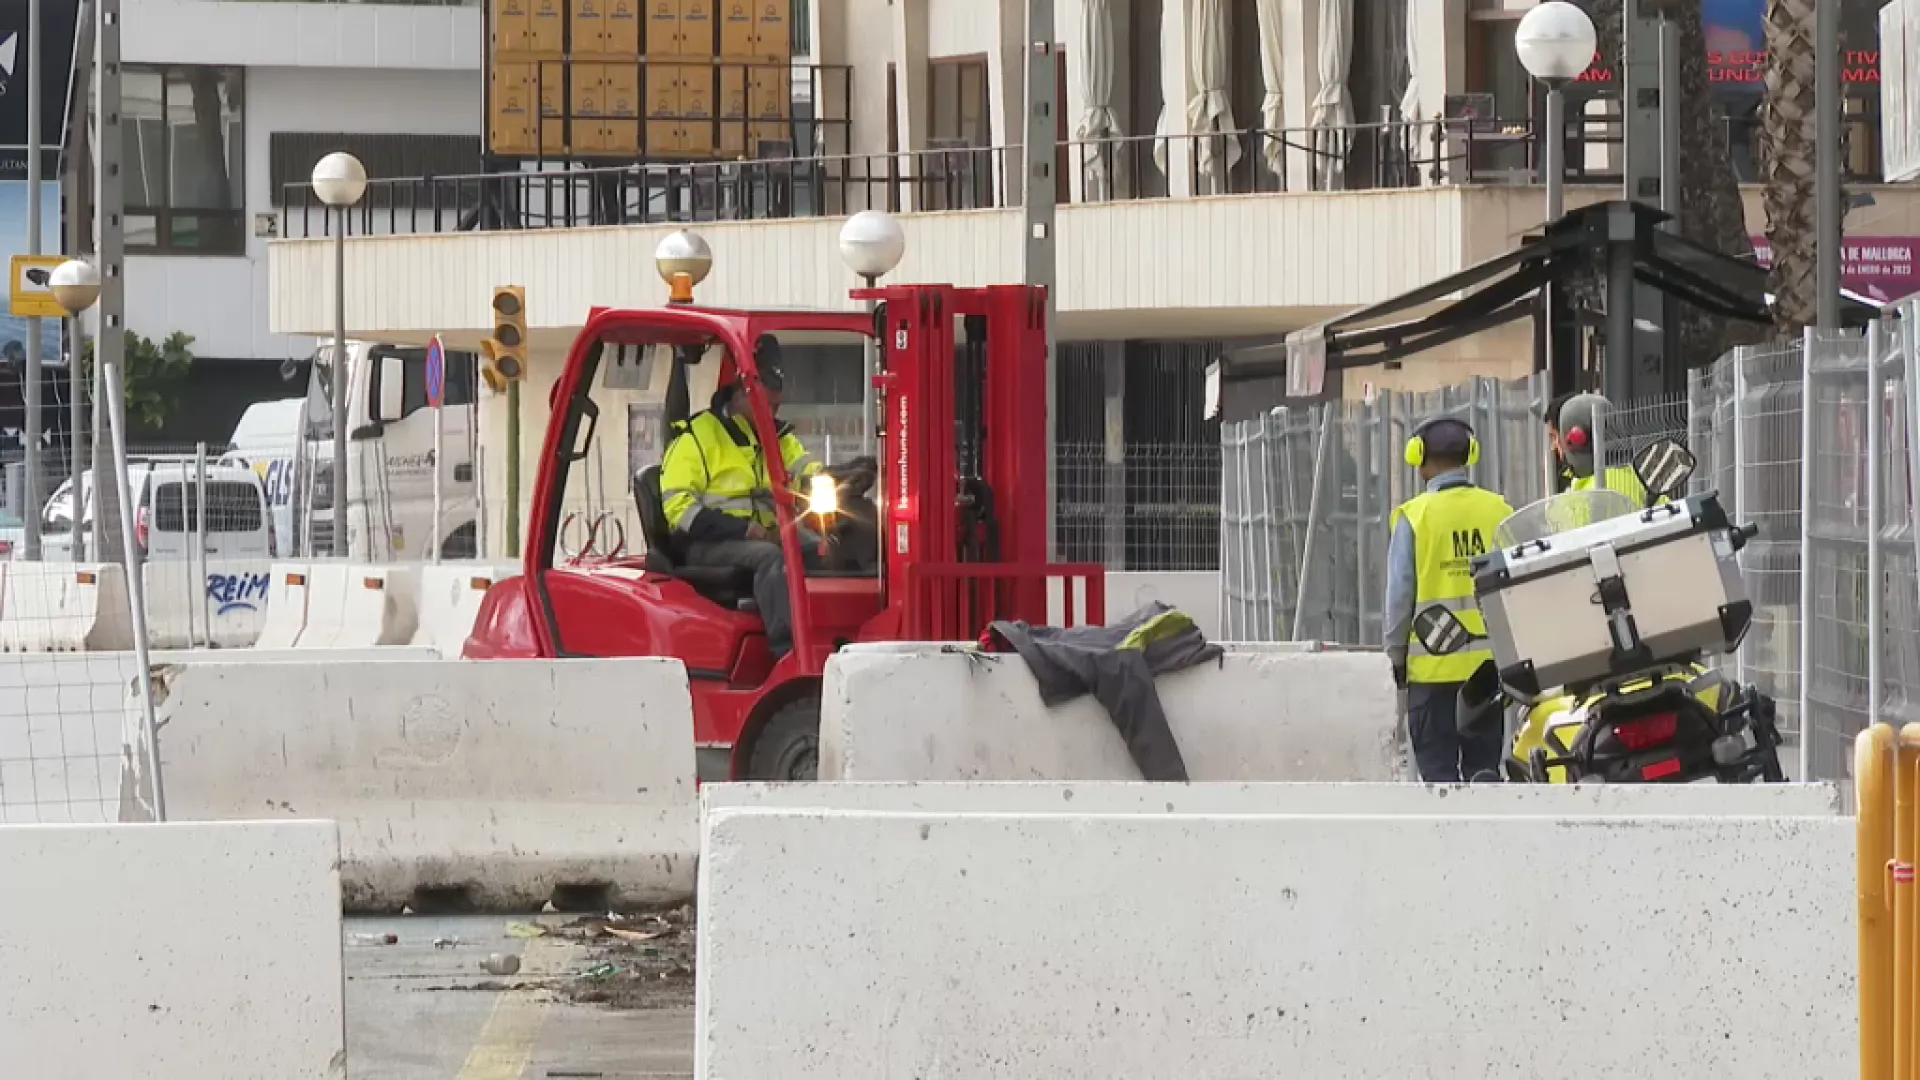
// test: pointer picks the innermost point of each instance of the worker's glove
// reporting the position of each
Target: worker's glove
(1400, 675)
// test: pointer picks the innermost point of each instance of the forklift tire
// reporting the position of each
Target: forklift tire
(787, 750)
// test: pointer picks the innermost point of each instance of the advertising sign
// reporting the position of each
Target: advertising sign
(1881, 268)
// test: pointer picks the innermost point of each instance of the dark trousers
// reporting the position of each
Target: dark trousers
(1441, 754)
(769, 582)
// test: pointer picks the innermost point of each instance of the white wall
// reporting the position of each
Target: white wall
(414, 71)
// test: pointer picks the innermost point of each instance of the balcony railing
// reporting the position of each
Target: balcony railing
(1352, 158)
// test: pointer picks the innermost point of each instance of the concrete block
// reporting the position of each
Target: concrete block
(944, 714)
(497, 785)
(288, 586)
(65, 607)
(172, 952)
(864, 945)
(1476, 800)
(449, 601)
(221, 604)
(355, 606)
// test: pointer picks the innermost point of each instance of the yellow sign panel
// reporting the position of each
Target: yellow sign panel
(29, 296)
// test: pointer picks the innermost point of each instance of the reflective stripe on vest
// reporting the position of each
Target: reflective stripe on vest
(1450, 528)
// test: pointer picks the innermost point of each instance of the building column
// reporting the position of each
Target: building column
(1175, 155)
(1300, 44)
(1441, 26)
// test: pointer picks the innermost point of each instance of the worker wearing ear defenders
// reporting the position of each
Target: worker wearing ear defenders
(1580, 417)
(1434, 537)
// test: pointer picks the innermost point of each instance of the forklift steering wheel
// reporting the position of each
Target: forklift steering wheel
(586, 548)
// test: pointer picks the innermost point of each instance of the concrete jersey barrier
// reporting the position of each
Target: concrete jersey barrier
(498, 785)
(172, 952)
(64, 607)
(862, 946)
(943, 713)
(449, 601)
(288, 586)
(352, 606)
(1473, 800)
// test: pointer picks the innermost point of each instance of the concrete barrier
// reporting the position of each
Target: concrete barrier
(1195, 592)
(498, 785)
(222, 604)
(231, 969)
(1475, 800)
(449, 601)
(939, 713)
(354, 606)
(63, 723)
(867, 945)
(64, 607)
(288, 586)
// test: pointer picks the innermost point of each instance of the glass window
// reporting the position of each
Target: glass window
(185, 187)
(231, 507)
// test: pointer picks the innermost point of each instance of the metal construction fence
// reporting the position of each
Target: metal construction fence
(1305, 505)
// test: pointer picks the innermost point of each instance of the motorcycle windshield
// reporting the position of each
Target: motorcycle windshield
(1560, 513)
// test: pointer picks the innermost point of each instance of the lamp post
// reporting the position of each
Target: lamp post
(683, 260)
(871, 244)
(75, 286)
(1556, 42)
(339, 180)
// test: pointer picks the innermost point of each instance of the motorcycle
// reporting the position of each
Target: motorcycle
(1644, 711)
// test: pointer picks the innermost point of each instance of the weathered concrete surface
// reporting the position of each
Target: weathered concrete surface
(171, 952)
(941, 713)
(1476, 800)
(969, 946)
(494, 785)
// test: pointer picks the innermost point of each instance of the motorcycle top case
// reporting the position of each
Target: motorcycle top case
(1543, 606)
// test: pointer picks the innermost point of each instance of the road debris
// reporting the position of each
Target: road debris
(376, 939)
(446, 943)
(634, 962)
(501, 964)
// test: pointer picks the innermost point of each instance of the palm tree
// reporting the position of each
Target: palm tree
(1789, 130)
(1711, 213)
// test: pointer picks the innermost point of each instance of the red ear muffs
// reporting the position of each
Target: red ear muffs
(1577, 438)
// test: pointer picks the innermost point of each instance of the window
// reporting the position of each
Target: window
(185, 190)
(461, 375)
(960, 111)
(231, 507)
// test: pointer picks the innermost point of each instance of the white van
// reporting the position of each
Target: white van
(167, 509)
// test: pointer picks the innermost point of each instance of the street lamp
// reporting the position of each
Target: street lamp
(871, 244)
(339, 180)
(75, 286)
(684, 260)
(1556, 42)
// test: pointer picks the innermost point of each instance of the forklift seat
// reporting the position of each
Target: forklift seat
(729, 586)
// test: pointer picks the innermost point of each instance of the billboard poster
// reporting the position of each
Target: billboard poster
(13, 241)
(1881, 268)
(1737, 46)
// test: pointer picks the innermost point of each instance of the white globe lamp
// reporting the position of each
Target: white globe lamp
(339, 179)
(1556, 41)
(872, 244)
(75, 285)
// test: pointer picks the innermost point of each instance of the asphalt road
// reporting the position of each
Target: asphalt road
(420, 1012)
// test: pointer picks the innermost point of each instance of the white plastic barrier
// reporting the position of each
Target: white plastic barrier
(1475, 800)
(1195, 592)
(352, 606)
(62, 718)
(1112, 947)
(230, 970)
(940, 713)
(64, 607)
(223, 603)
(288, 585)
(496, 784)
(450, 595)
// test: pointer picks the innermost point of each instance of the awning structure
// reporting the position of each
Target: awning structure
(1506, 288)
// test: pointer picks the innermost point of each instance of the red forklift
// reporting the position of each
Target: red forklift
(957, 516)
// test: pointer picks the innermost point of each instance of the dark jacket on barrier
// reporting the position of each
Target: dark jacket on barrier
(1117, 665)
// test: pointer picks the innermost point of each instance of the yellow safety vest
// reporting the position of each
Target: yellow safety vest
(715, 465)
(1450, 527)
(1622, 479)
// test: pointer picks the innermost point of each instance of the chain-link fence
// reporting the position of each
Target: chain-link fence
(1304, 504)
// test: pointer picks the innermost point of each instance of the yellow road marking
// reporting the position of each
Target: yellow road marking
(507, 1039)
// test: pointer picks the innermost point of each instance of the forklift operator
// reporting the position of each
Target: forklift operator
(718, 496)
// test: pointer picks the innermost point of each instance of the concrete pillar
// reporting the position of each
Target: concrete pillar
(1441, 26)
(909, 27)
(1175, 156)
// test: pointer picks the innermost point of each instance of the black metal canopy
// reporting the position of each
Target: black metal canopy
(1505, 288)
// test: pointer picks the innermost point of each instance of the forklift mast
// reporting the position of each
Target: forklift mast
(962, 431)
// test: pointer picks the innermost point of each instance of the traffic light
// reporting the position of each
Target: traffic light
(509, 353)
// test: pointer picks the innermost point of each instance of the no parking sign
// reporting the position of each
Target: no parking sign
(436, 373)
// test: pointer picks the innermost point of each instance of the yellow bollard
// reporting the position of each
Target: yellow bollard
(1906, 844)
(1873, 784)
